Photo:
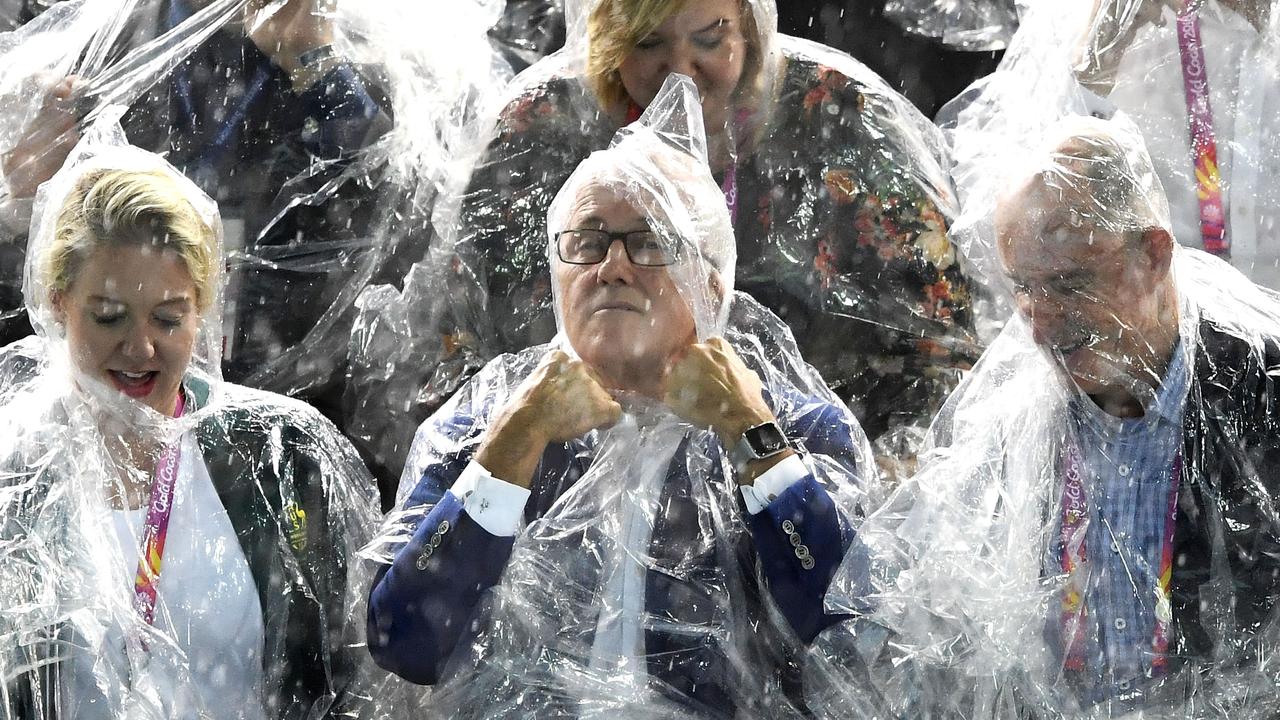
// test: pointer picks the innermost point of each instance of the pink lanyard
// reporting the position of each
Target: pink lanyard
(156, 529)
(1075, 523)
(1204, 146)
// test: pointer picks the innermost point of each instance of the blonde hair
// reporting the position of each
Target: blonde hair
(116, 207)
(615, 26)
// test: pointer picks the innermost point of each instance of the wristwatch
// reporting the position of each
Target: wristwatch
(757, 443)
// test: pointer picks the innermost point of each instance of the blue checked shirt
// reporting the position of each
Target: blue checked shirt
(1128, 465)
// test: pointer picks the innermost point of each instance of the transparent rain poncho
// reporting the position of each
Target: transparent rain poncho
(258, 609)
(634, 586)
(285, 117)
(838, 199)
(975, 25)
(1050, 559)
(1219, 162)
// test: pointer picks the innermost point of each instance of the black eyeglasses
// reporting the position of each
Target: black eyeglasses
(644, 248)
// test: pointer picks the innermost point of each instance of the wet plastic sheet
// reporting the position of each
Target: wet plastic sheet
(320, 191)
(631, 588)
(976, 25)
(259, 604)
(1051, 559)
(1125, 55)
(841, 214)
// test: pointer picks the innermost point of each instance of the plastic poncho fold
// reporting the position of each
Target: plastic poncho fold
(974, 25)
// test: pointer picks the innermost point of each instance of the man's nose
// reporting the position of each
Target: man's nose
(616, 266)
(1044, 316)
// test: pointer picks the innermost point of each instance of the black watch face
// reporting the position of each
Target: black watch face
(766, 439)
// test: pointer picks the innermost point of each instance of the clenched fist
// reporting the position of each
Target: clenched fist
(561, 400)
(709, 385)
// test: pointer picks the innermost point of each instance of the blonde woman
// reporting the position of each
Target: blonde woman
(170, 545)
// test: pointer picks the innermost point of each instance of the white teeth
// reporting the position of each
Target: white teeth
(134, 376)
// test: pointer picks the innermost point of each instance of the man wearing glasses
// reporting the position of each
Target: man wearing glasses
(671, 426)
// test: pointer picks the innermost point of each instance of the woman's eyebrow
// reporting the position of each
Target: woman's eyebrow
(713, 25)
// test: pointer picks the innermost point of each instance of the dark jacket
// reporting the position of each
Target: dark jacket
(268, 468)
(1229, 502)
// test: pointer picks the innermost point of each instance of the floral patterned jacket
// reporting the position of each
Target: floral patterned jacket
(838, 232)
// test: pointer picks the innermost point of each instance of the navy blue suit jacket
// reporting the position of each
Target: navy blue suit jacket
(418, 616)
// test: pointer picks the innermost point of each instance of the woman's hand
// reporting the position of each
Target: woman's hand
(46, 143)
(295, 27)
(563, 399)
(1111, 30)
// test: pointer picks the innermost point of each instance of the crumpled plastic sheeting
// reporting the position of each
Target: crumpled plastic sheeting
(319, 189)
(286, 505)
(1066, 61)
(968, 614)
(528, 31)
(975, 25)
(842, 216)
(536, 650)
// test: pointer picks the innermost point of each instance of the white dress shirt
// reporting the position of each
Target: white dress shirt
(207, 604)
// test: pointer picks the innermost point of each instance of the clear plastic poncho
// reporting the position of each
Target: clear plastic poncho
(322, 129)
(632, 589)
(259, 603)
(839, 201)
(974, 25)
(1055, 560)
(1219, 162)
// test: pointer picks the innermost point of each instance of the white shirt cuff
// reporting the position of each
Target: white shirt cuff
(496, 505)
(1097, 105)
(772, 483)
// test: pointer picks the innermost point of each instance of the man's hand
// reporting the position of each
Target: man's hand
(1111, 30)
(563, 399)
(285, 29)
(46, 143)
(709, 385)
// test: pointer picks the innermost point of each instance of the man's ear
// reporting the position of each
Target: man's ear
(716, 284)
(1157, 247)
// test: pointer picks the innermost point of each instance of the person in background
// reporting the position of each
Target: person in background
(1202, 81)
